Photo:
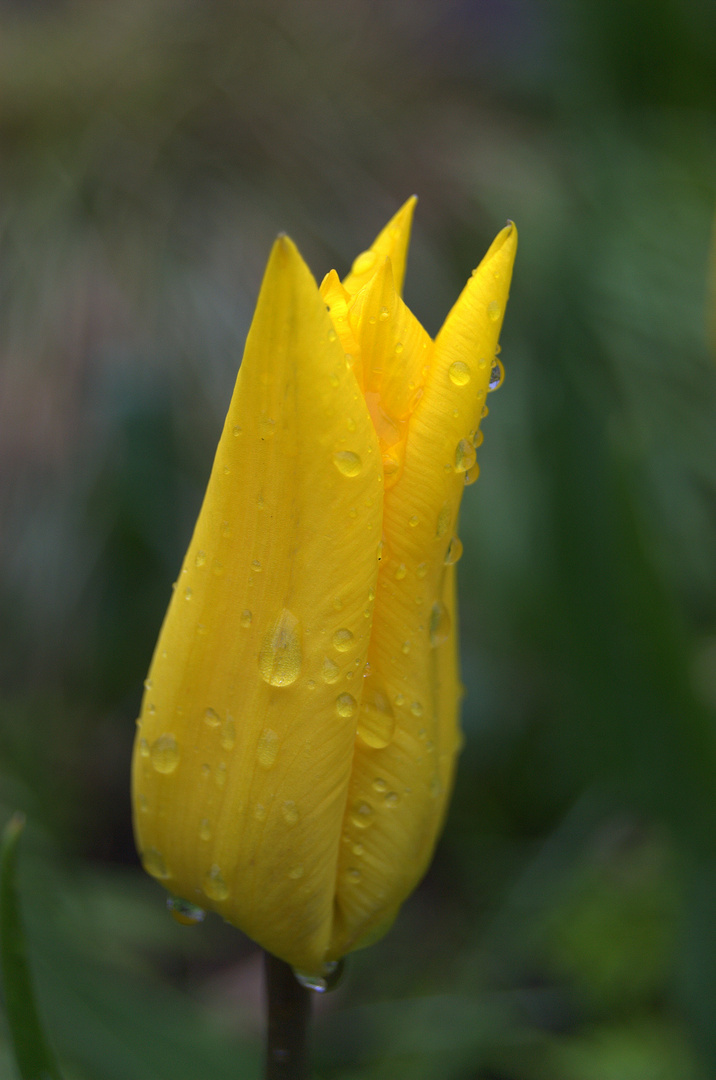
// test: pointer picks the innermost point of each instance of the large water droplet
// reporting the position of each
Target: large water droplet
(459, 373)
(497, 375)
(376, 722)
(164, 754)
(454, 551)
(327, 980)
(183, 912)
(330, 672)
(346, 705)
(494, 310)
(347, 463)
(280, 656)
(439, 624)
(464, 456)
(472, 474)
(153, 863)
(342, 640)
(267, 749)
(214, 885)
(362, 815)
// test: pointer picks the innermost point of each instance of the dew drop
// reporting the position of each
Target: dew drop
(454, 551)
(347, 463)
(280, 657)
(390, 465)
(459, 373)
(380, 785)
(212, 718)
(364, 262)
(416, 708)
(330, 672)
(358, 849)
(383, 314)
(153, 863)
(362, 815)
(144, 748)
(256, 566)
(183, 912)
(443, 522)
(342, 640)
(494, 310)
(332, 334)
(295, 873)
(237, 431)
(202, 629)
(260, 812)
(148, 684)
(267, 427)
(391, 800)
(220, 775)
(439, 624)
(328, 979)
(214, 885)
(482, 363)
(164, 754)
(435, 787)
(205, 829)
(228, 734)
(200, 559)
(188, 593)
(413, 521)
(353, 875)
(246, 618)
(405, 648)
(289, 812)
(376, 722)
(143, 804)
(400, 571)
(464, 456)
(421, 570)
(311, 684)
(472, 474)
(399, 347)
(346, 705)
(400, 700)
(477, 438)
(497, 375)
(267, 749)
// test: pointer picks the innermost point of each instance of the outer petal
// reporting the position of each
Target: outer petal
(243, 757)
(391, 243)
(399, 791)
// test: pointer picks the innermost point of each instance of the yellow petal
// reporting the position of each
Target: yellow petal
(392, 243)
(399, 792)
(244, 753)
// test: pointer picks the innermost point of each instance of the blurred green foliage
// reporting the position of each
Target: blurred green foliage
(149, 152)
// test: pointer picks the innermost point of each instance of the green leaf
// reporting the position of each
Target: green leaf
(34, 1058)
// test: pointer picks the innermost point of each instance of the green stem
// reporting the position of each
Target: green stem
(289, 1014)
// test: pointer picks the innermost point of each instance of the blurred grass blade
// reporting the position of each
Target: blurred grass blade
(34, 1058)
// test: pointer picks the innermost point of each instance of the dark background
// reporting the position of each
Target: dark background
(150, 150)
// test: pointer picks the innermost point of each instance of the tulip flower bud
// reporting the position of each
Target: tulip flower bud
(299, 728)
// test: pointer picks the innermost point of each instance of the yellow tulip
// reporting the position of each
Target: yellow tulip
(299, 729)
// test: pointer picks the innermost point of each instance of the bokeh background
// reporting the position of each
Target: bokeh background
(150, 151)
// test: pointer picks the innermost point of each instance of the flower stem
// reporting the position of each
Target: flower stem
(289, 1014)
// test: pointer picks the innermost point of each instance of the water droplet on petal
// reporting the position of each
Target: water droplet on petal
(400, 571)
(164, 754)
(144, 748)
(237, 431)
(497, 376)
(200, 559)
(267, 749)
(212, 718)
(439, 624)
(477, 438)
(280, 656)
(347, 463)
(214, 885)
(464, 456)
(295, 873)
(380, 785)
(362, 815)
(260, 812)
(391, 800)
(246, 618)
(188, 593)
(413, 521)
(472, 474)
(332, 334)
(459, 373)
(327, 980)
(205, 829)
(383, 314)
(400, 700)
(416, 708)
(443, 522)
(183, 912)
(289, 812)
(346, 705)
(330, 672)
(454, 551)
(342, 640)
(228, 734)
(376, 722)
(153, 863)
(494, 310)
(353, 875)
